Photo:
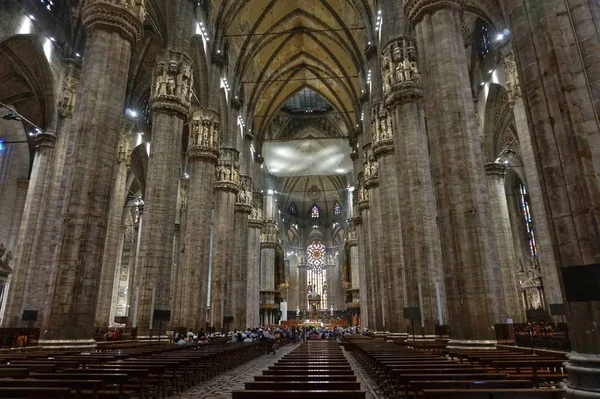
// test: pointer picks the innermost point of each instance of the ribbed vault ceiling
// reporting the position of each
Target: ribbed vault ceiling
(281, 47)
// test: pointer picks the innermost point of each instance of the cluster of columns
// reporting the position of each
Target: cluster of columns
(68, 258)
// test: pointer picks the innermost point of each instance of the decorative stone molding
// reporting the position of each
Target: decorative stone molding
(122, 16)
(371, 170)
(381, 131)
(204, 137)
(269, 235)
(513, 87)
(401, 77)
(45, 140)
(172, 84)
(124, 152)
(495, 168)
(243, 199)
(228, 170)
(70, 82)
(417, 9)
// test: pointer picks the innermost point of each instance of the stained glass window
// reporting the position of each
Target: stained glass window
(526, 211)
(484, 42)
(293, 209)
(337, 209)
(314, 212)
(316, 274)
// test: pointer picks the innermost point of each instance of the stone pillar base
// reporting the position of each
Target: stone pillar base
(472, 344)
(85, 345)
(584, 376)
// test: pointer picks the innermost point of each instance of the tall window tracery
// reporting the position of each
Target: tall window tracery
(525, 204)
(316, 273)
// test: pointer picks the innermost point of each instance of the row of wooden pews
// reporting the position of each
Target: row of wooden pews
(315, 370)
(148, 371)
(471, 374)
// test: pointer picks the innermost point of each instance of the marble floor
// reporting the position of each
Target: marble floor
(221, 386)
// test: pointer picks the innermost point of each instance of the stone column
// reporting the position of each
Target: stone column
(243, 208)
(15, 224)
(26, 259)
(203, 154)
(354, 278)
(226, 188)
(110, 31)
(496, 173)
(422, 252)
(546, 255)
(62, 161)
(380, 277)
(112, 248)
(557, 45)
(364, 249)
(473, 282)
(255, 224)
(269, 238)
(170, 104)
(393, 254)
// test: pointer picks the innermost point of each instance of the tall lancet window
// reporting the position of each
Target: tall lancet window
(484, 42)
(525, 204)
(316, 274)
(293, 210)
(337, 209)
(314, 212)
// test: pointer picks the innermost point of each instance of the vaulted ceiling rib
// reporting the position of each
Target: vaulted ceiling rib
(283, 46)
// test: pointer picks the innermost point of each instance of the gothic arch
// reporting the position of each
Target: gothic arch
(27, 81)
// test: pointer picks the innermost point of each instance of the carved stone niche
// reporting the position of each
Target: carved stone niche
(381, 130)
(228, 170)
(401, 76)
(172, 84)
(351, 234)
(125, 141)
(513, 86)
(256, 214)
(269, 233)
(362, 195)
(243, 199)
(122, 16)
(204, 136)
(371, 170)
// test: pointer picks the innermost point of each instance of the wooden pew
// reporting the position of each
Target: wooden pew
(493, 394)
(404, 380)
(299, 395)
(115, 382)
(35, 393)
(89, 388)
(314, 377)
(419, 386)
(302, 386)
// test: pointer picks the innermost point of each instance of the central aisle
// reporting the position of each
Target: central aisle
(223, 385)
